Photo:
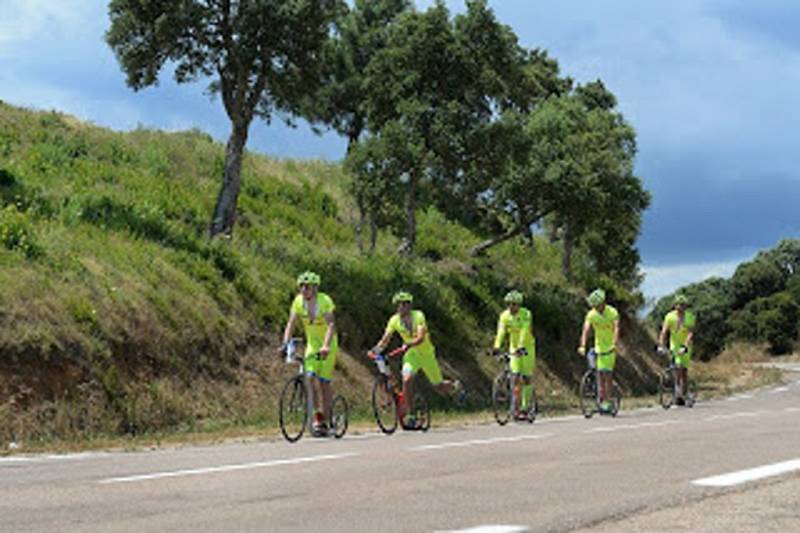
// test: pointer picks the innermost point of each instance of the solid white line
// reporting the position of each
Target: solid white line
(478, 442)
(752, 474)
(225, 468)
(791, 409)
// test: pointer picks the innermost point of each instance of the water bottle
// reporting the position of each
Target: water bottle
(382, 367)
(289, 351)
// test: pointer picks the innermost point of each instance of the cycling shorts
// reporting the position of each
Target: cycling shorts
(606, 361)
(415, 360)
(523, 365)
(321, 368)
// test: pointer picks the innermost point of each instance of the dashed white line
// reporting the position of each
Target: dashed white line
(752, 474)
(488, 529)
(629, 426)
(745, 414)
(479, 442)
(225, 468)
(792, 409)
(52, 457)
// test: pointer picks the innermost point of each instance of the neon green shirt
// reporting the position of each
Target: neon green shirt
(315, 331)
(679, 329)
(603, 325)
(519, 330)
(396, 325)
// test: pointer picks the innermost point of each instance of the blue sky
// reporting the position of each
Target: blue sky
(710, 85)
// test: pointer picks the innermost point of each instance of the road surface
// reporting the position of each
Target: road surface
(731, 464)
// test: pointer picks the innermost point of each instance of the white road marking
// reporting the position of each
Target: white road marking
(791, 409)
(779, 389)
(629, 426)
(752, 474)
(478, 442)
(52, 457)
(744, 414)
(487, 529)
(225, 468)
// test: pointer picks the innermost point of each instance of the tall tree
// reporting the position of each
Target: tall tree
(444, 83)
(262, 56)
(573, 163)
(361, 32)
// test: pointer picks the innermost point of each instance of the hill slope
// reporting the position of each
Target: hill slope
(117, 315)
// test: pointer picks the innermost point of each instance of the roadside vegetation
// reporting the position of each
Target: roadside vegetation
(759, 303)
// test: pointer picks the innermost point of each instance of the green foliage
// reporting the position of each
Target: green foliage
(772, 319)
(431, 98)
(17, 232)
(758, 303)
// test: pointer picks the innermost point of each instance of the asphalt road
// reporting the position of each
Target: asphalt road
(644, 470)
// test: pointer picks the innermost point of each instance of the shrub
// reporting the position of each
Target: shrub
(17, 233)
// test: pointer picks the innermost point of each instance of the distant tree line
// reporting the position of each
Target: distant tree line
(759, 303)
(439, 110)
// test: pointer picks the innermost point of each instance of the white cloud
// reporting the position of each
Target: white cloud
(662, 280)
(28, 20)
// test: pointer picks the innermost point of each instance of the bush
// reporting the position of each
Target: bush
(17, 233)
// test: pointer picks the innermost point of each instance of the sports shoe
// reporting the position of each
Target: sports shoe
(410, 423)
(319, 429)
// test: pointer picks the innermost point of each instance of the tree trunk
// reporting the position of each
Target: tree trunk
(373, 234)
(481, 248)
(407, 246)
(225, 210)
(566, 259)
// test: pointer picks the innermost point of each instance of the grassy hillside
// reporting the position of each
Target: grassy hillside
(117, 315)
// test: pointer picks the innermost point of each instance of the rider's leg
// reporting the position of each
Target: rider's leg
(428, 363)
(515, 393)
(528, 363)
(684, 374)
(527, 392)
(602, 386)
(327, 397)
(311, 369)
(408, 391)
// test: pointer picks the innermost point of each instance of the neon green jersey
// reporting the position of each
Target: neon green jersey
(519, 328)
(396, 325)
(603, 325)
(679, 328)
(315, 329)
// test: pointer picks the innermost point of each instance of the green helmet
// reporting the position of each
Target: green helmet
(513, 297)
(402, 296)
(680, 299)
(308, 278)
(597, 297)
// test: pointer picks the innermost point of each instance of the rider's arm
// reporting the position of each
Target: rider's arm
(326, 343)
(662, 338)
(689, 338)
(585, 334)
(384, 342)
(501, 334)
(422, 330)
(616, 333)
(287, 333)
